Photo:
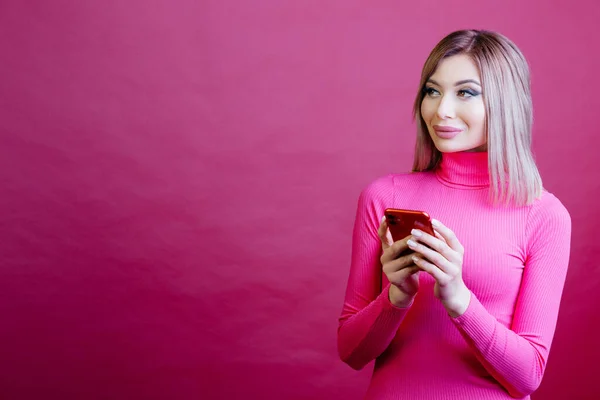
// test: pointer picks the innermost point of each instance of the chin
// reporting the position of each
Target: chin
(451, 147)
(455, 146)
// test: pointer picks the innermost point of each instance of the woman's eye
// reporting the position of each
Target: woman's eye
(431, 91)
(467, 93)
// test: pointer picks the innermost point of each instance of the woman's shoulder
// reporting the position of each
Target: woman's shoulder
(395, 181)
(549, 202)
(387, 189)
(547, 210)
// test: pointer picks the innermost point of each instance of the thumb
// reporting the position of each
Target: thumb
(384, 234)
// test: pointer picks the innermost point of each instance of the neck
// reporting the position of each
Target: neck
(464, 169)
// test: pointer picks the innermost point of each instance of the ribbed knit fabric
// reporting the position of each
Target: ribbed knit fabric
(515, 264)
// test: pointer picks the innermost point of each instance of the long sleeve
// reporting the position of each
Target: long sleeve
(368, 321)
(517, 357)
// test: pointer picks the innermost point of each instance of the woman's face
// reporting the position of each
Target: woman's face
(453, 106)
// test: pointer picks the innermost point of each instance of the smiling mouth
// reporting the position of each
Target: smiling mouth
(446, 132)
(441, 128)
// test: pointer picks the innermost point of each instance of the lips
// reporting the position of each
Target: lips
(446, 132)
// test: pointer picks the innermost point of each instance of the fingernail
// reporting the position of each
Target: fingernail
(435, 223)
(411, 243)
(416, 232)
(415, 259)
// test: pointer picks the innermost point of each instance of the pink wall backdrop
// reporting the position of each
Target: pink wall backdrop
(178, 182)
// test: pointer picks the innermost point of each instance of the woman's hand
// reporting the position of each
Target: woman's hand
(442, 258)
(399, 269)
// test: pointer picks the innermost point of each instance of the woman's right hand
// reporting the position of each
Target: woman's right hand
(401, 272)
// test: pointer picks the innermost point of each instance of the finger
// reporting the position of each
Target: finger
(439, 245)
(394, 265)
(404, 273)
(388, 236)
(399, 247)
(437, 274)
(448, 236)
(393, 251)
(437, 235)
(433, 256)
(384, 235)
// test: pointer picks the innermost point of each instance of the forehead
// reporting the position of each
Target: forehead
(456, 68)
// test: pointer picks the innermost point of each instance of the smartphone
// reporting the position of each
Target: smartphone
(401, 222)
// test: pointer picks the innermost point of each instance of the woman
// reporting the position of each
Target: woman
(471, 312)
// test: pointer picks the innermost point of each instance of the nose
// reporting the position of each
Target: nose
(446, 108)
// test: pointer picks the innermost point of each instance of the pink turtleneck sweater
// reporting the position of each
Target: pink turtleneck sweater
(515, 264)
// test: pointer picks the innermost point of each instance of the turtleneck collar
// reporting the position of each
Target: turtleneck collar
(467, 170)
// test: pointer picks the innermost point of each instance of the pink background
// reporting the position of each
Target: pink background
(178, 182)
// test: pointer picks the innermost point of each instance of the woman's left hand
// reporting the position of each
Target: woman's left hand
(442, 258)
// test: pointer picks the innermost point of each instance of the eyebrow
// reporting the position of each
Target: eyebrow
(458, 83)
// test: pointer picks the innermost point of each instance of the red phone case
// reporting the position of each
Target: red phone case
(401, 222)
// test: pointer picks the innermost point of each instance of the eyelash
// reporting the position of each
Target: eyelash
(470, 93)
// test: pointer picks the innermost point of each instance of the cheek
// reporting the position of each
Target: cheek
(481, 114)
(426, 110)
(476, 116)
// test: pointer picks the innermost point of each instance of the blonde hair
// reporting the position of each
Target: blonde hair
(514, 177)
